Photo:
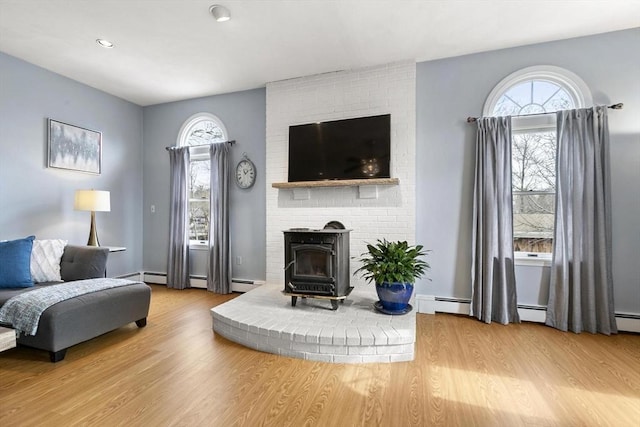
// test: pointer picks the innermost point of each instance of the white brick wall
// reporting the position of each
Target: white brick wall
(387, 89)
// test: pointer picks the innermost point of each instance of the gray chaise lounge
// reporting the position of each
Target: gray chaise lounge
(82, 318)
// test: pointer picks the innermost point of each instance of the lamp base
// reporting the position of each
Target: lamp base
(93, 233)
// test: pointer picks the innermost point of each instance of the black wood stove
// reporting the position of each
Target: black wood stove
(317, 264)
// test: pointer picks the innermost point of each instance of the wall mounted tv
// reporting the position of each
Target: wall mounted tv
(357, 148)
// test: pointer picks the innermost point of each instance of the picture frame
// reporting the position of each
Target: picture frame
(74, 148)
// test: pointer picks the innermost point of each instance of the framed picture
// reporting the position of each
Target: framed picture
(74, 148)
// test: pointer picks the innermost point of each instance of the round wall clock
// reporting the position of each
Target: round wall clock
(245, 172)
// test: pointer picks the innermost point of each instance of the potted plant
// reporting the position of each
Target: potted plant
(393, 267)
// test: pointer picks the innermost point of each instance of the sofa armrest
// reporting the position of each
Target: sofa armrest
(83, 262)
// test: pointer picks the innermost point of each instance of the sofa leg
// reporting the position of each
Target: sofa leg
(57, 356)
(141, 323)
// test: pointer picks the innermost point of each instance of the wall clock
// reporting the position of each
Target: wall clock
(245, 172)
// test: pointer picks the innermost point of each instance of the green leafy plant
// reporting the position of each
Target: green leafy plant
(393, 262)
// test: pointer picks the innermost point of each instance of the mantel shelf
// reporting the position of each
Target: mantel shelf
(337, 183)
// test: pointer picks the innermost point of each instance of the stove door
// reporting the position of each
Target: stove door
(312, 263)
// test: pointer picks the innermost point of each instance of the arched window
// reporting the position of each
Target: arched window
(199, 131)
(531, 97)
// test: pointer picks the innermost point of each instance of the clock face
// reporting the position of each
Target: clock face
(245, 173)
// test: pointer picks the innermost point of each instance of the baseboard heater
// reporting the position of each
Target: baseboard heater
(628, 322)
(198, 281)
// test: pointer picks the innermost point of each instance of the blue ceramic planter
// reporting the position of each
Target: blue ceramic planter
(394, 297)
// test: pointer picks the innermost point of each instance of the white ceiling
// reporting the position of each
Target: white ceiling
(173, 50)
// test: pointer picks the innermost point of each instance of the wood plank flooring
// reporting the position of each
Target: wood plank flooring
(176, 372)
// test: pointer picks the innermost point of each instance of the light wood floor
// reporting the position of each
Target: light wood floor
(176, 372)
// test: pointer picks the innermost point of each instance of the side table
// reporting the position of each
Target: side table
(114, 249)
(7, 338)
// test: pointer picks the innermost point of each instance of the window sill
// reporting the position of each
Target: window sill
(539, 260)
(199, 245)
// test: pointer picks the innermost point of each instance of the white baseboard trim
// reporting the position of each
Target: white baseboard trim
(131, 276)
(430, 304)
(628, 322)
(200, 282)
(155, 278)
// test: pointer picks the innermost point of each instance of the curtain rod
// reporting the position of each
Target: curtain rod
(617, 106)
(231, 142)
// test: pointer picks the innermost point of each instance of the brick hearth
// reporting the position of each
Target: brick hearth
(263, 319)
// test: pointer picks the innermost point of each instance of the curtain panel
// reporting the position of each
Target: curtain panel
(219, 265)
(493, 273)
(178, 257)
(581, 285)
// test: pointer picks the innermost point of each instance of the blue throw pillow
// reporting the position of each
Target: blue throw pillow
(15, 263)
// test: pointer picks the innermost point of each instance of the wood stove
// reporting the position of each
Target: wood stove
(317, 264)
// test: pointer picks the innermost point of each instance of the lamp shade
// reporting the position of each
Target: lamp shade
(92, 200)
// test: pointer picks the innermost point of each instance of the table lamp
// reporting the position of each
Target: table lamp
(94, 201)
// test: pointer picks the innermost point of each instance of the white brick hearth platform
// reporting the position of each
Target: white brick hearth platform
(263, 319)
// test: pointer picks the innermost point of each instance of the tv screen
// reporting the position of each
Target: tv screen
(343, 149)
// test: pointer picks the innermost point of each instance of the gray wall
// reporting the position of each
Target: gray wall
(243, 114)
(37, 200)
(449, 90)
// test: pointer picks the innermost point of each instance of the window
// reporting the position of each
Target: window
(199, 131)
(531, 96)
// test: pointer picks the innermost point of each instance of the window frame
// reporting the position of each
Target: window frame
(198, 153)
(579, 93)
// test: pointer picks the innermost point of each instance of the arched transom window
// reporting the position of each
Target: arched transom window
(531, 96)
(199, 131)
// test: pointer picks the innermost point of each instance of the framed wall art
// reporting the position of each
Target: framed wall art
(74, 148)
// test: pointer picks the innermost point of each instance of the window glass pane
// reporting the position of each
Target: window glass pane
(520, 93)
(506, 107)
(533, 97)
(531, 109)
(559, 101)
(543, 90)
(533, 183)
(533, 165)
(199, 220)
(533, 220)
(204, 132)
(199, 184)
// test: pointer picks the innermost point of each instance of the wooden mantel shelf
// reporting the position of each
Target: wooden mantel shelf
(337, 183)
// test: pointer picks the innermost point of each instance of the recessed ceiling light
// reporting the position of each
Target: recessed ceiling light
(220, 13)
(104, 43)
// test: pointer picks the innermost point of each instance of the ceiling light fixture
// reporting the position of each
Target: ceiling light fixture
(104, 43)
(220, 13)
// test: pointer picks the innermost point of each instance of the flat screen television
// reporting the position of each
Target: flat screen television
(357, 148)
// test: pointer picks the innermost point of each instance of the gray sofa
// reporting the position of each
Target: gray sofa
(87, 316)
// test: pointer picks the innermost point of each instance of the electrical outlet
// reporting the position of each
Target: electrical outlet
(238, 260)
(153, 208)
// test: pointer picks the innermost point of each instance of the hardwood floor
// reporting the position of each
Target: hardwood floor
(176, 372)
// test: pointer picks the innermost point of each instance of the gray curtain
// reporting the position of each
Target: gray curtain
(581, 286)
(493, 275)
(178, 258)
(219, 266)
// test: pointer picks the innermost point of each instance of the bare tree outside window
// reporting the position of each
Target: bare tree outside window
(533, 186)
(199, 207)
(205, 132)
